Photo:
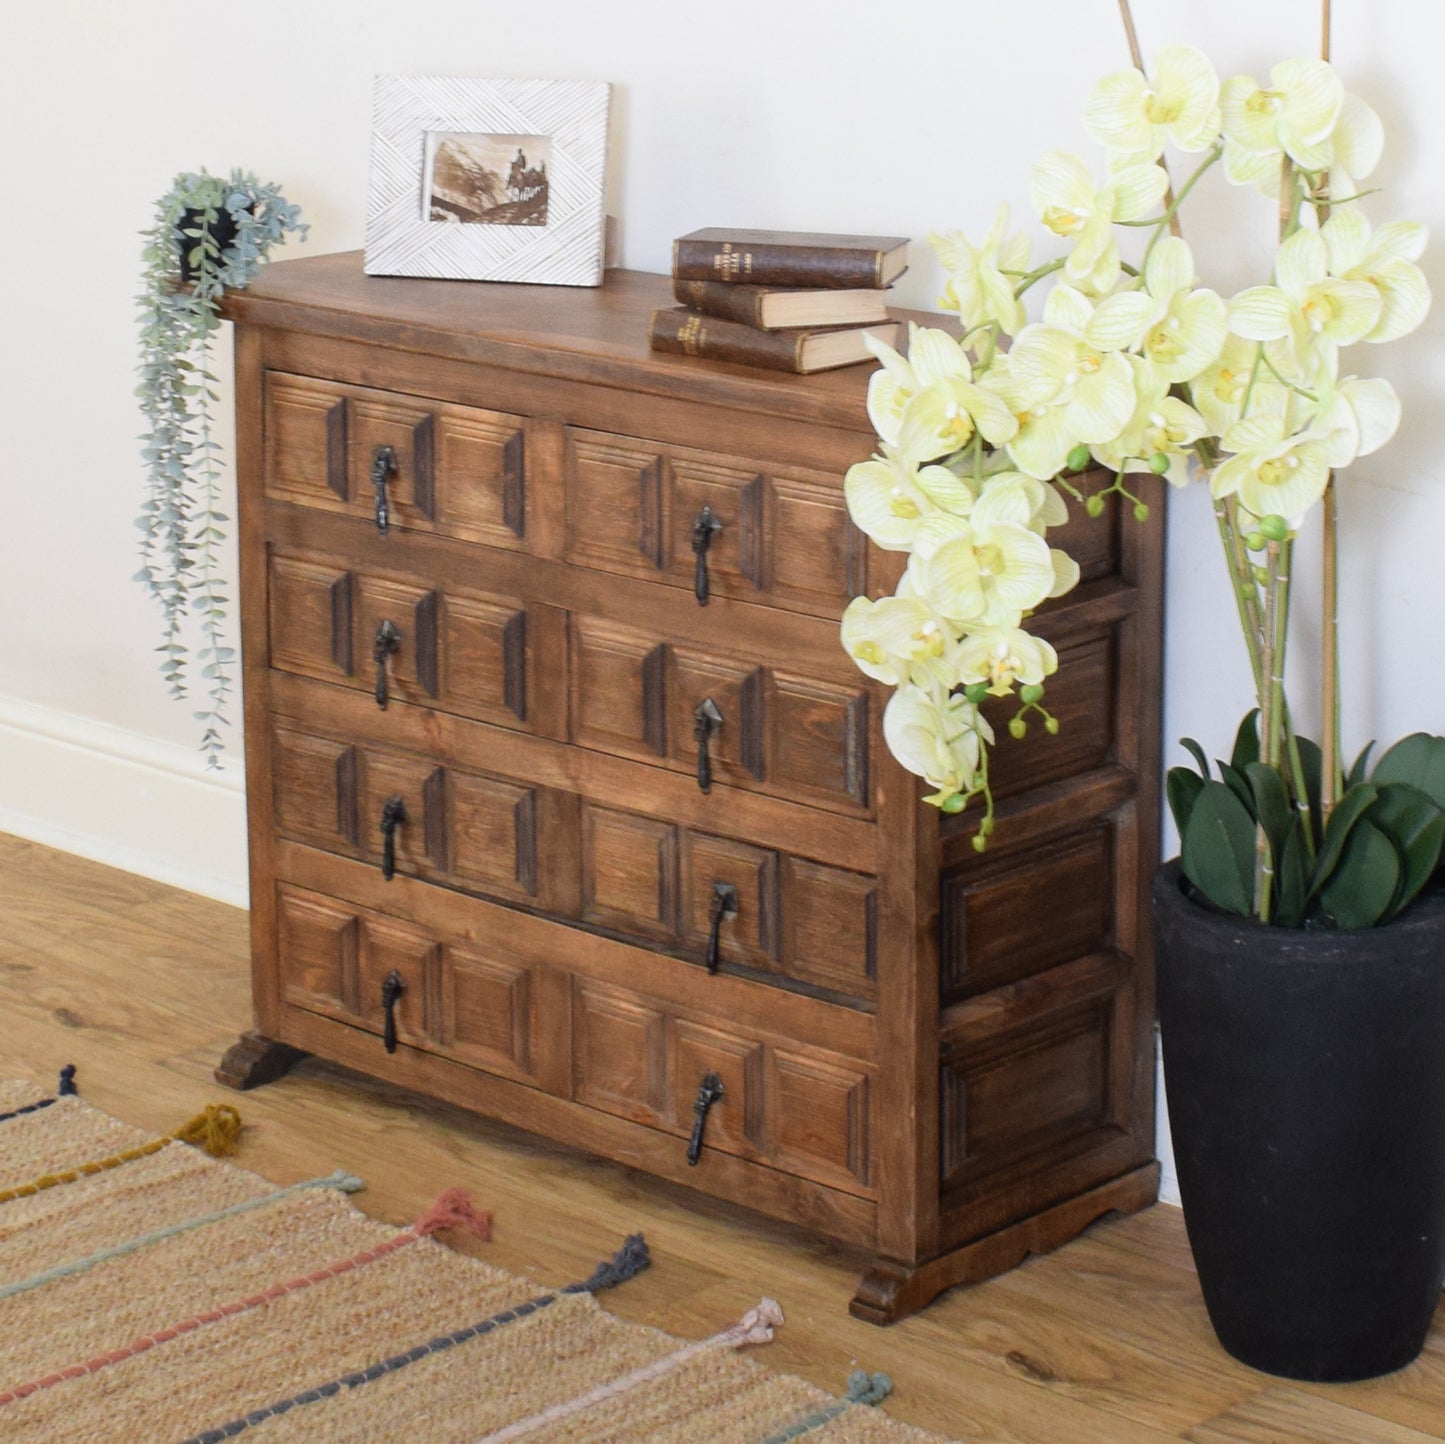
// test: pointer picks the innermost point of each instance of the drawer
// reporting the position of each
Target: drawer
(480, 831)
(457, 470)
(468, 1001)
(659, 882)
(790, 1106)
(775, 730)
(469, 651)
(776, 535)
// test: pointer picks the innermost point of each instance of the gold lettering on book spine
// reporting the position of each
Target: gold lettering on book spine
(690, 335)
(730, 264)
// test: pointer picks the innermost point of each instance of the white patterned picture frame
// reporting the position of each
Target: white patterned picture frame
(415, 117)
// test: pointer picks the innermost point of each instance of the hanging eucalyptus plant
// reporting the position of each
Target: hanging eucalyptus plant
(210, 235)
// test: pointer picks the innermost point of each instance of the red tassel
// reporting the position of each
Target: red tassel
(453, 1209)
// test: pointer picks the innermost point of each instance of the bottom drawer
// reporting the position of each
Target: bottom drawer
(789, 1105)
(449, 997)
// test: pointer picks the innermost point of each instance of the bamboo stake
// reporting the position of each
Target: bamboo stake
(1137, 56)
(1329, 592)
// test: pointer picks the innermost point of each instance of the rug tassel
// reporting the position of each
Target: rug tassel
(67, 1081)
(865, 1388)
(453, 1209)
(757, 1325)
(626, 1263)
(215, 1130)
(345, 1182)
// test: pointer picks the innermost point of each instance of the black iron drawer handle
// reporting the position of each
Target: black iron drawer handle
(383, 468)
(388, 639)
(391, 991)
(706, 720)
(704, 529)
(393, 814)
(709, 1092)
(724, 905)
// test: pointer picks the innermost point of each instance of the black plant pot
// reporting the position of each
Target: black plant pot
(223, 230)
(1305, 1077)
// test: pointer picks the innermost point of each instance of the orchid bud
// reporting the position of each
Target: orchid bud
(1095, 506)
(1078, 458)
(1159, 463)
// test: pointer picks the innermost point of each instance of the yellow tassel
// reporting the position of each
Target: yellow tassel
(215, 1130)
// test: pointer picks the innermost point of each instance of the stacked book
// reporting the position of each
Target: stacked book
(787, 300)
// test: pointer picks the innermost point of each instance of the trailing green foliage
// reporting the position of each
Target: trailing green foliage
(1358, 868)
(181, 521)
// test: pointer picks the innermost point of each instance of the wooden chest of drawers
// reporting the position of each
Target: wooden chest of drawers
(567, 805)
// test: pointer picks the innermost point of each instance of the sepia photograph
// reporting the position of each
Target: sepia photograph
(485, 179)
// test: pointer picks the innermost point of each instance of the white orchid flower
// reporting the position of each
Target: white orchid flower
(1355, 417)
(1237, 375)
(938, 739)
(1064, 386)
(1004, 658)
(899, 639)
(1072, 206)
(1012, 496)
(978, 288)
(1384, 260)
(1307, 308)
(1161, 425)
(1295, 116)
(893, 500)
(1135, 117)
(985, 576)
(1358, 142)
(1273, 472)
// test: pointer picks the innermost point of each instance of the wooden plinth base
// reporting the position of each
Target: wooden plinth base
(254, 1061)
(890, 1291)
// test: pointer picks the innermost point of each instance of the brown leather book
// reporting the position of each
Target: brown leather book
(789, 258)
(771, 308)
(688, 333)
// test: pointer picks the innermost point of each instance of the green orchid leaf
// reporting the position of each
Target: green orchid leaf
(1419, 760)
(1197, 753)
(1348, 811)
(1182, 787)
(1237, 784)
(1416, 826)
(1357, 773)
(1246, 741)
(1217, 854)
(1312, 764)
(1360, 891)
(1271, 804)
(1291, 878)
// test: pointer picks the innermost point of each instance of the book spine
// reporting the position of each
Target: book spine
(732, 303)
(762, 265)
(688, 333)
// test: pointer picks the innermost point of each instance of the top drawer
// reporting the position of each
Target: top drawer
(712, 524)
(400, 461)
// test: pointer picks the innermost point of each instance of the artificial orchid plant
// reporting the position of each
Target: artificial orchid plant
(1138, 368)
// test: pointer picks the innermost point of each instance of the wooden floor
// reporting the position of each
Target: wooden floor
(1103, 1342)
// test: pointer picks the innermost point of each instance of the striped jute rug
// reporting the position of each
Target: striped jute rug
(149, 1292)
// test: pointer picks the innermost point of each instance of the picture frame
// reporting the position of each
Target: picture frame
(488, 180)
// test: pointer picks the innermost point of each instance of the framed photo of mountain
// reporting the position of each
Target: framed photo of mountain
(488, 180)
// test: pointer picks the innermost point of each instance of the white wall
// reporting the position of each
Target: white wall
(793, 114)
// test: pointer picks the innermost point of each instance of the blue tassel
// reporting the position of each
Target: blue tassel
(67, 1081)
(864, 1388)
(626, 1263)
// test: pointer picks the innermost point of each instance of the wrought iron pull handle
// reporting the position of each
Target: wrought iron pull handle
(388, 639)
(709, 1092)
(393, 814)
(706, 720)
(391, 991)
(383, 468)
(724, 905)
(704, 529)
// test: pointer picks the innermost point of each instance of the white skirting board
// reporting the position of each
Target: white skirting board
(124, 799)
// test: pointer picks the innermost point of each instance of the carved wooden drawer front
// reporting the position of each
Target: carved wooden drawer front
(660, 882)
(469, 652)
(779, 535)
(788, 1106)
(475, 1005)
(775, 731)
(403, 462)
(482, 832)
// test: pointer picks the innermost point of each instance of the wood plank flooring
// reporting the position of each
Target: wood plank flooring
(1103, 1342)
